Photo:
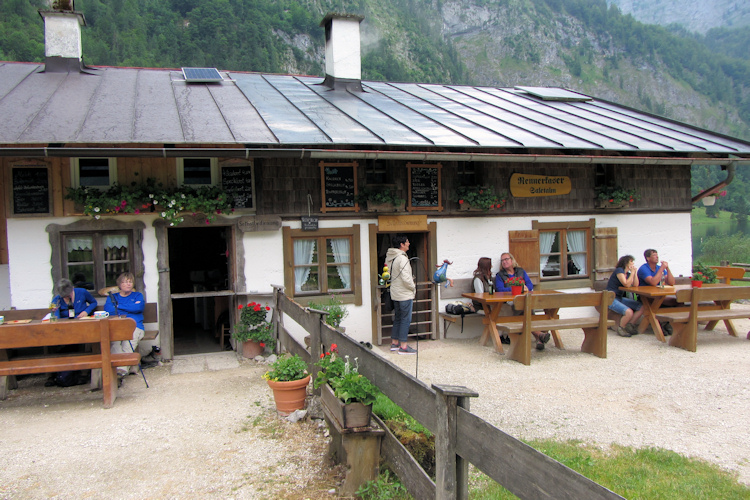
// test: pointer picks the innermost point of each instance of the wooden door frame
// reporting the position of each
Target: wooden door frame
(236, 266)
(374, 231)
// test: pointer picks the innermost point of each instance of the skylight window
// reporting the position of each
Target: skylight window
(555, 94)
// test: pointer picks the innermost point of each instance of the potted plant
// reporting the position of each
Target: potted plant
(710, 200)
(614, 197)
(703, 274)
(479, 198)
(336, 309)
(346, 393)
(381, 199)
(516, 284)
(288, 378)
(253, 330)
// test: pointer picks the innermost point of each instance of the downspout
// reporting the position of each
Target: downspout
(715, 189)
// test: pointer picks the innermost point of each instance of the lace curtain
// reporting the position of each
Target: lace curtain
(546, 240)
(303, 255)
(577, 243)
(340, 248)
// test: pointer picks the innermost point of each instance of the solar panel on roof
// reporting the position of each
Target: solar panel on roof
(201, 75)
(554, 94)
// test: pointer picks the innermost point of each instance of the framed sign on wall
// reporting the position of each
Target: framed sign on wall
(424, 187)
(338, 187)
(30, 192)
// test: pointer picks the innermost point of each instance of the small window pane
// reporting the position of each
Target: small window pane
(306, 277)
(80, 248)
(553, 266)
(82, 276)
(93, 171)
(196, 171)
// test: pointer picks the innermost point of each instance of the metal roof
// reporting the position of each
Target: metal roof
(154, 106)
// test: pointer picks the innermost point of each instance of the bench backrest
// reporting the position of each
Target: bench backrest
(462, 285)
(729, 273)
(65, 332)
(713, 293)
(150, 313)
(560, 300)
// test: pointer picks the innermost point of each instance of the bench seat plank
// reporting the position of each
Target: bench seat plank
(65, 363)
(718, 315)
(554, 324)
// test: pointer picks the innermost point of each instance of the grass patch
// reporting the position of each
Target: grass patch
(651, 473)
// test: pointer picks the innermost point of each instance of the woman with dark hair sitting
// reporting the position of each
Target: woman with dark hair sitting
(625, 274)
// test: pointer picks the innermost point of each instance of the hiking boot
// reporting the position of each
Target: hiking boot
(622, 332)
(505, 339)
(631, 329)
(122, 372)
(540, 346)
(395, 347)
(544, 338)
(666, 328)
(407, 350)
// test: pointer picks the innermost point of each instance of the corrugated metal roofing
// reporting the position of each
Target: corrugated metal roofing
(131, 105)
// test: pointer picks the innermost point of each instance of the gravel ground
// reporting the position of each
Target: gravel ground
(214, 434)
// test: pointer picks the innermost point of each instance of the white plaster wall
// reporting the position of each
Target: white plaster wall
(4, 287)
(29, 257)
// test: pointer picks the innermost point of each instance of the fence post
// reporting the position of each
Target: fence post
(315, 347)
(277, 318)
(451, 471)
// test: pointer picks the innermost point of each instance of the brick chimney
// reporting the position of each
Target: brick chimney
(62, 37)
(343, 57)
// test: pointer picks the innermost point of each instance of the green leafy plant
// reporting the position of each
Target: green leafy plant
(335, 307)
(379, 195)
(253, 325)
(615, 194)
(482, 197)
(515, 281)
(704, 273)
(169, 204)
(287, 368)
(344, 378)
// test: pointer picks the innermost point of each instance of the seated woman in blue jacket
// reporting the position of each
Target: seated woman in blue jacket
(71, 302)
(509, 268)
(130, 303)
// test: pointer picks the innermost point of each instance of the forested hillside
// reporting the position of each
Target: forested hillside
(579, 44)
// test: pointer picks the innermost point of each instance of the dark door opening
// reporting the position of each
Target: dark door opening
(198, 272)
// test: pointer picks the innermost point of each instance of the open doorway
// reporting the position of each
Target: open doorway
(199, 271)
(422, 323)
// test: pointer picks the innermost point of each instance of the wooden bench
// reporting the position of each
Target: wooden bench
(150, 317)
(463, 285)
(685, 324)
(594, 327)
(729, 273)
(99, 332)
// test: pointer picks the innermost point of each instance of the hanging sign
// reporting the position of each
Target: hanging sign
(310, 223)
(526, 186)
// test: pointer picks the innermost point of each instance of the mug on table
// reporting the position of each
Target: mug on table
(101, 314)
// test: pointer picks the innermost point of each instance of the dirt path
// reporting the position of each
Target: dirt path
(208, 434)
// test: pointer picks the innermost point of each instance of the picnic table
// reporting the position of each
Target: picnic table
(493, 303)
(652, 298)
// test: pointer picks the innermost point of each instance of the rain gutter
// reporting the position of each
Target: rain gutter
(334, 154)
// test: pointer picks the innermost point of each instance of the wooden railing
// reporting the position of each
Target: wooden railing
(460, 436)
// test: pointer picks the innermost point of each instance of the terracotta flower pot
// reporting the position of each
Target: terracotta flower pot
(696, 283)
(516, 289)
(250, 349)
(289, 396)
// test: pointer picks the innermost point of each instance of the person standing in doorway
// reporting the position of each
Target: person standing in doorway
(403, 291)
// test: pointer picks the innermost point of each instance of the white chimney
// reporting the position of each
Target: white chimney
(343, 57)
(62, 36)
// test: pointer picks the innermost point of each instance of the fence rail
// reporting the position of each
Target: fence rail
(460, 436)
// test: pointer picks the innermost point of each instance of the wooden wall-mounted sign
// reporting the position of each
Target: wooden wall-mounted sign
(525, 185)
(338, 183)
(238, 180)
(30, 189)
(424, 187)
(256, 223)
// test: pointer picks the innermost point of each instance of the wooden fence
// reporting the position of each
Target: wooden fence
(460, 436)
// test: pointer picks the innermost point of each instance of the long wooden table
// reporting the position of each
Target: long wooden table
(492, 304)
(652, 298)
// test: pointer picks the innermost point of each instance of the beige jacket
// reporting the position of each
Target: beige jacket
(402, 281)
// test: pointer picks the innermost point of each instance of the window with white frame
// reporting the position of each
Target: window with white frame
(322, 262)
(94, 172)
(197, 171)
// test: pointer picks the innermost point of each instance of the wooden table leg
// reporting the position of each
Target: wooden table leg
(651, 309)
(490, 327)
(552, 313)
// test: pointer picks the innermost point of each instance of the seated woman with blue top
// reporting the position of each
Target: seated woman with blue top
(130, 303)
(625, 275)
(509, 268)
(71, 302)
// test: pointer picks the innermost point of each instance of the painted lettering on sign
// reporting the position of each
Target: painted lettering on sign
(525, 185)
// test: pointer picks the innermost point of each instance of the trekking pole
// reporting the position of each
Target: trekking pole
(139, 365)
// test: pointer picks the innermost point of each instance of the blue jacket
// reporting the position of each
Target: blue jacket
(82, 301)
(502, 276)
(131, 306)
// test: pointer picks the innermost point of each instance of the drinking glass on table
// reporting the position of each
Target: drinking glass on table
(53, 309)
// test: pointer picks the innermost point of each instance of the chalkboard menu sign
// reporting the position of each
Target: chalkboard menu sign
(239, 183)
(424, 187)
(339, 187)
(31, 192)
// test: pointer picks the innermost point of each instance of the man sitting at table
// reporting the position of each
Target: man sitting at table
(651, 274)
(71, 302)
(131, 304)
